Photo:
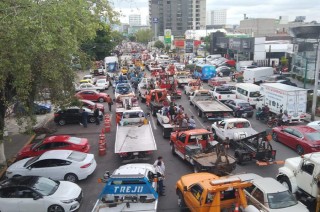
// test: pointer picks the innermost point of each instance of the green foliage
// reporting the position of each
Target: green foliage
(158, 44)
(132, 38)
(144, 35)
(39, 39)
(191, 67)
(284, 61)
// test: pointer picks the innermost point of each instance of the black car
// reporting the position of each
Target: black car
(72, 116)
(241, 108)
(224, 71)
(287, 82)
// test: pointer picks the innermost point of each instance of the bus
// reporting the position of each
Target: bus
(111, 65)
(204, 72)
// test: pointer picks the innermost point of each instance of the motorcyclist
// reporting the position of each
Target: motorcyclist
(285, 118)
(264, 112)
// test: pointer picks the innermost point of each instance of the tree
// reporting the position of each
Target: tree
(132, 38)
(38, 41)
(144, 35)
(158, 44)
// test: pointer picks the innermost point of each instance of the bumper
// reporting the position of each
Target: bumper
(84, 173)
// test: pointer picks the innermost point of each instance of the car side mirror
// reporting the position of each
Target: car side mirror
(36, 197)
(29, 168)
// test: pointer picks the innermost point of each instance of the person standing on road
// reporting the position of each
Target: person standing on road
(160, 175)
(162, 164)
(192, 123)
(84, 115)
(96, 115)
(109, 101)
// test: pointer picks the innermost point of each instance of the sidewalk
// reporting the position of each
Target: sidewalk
(17, 139)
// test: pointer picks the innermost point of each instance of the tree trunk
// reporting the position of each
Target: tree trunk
(2, 117)
(2, 155)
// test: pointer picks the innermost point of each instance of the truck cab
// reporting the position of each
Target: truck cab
(155, 100)
(131, 187)
(205, 192)
(192, 86)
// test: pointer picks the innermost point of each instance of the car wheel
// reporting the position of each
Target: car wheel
(100, 100)
(181, 203)
(285, 182)
(62, 122)
(299, 150)
(55, 208)
(275, 137)
(92, 119)
(71, 177)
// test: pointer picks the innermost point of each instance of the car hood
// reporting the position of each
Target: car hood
(18, 165)
(67, 190)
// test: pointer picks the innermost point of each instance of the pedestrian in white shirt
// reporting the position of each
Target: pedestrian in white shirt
(163, 167)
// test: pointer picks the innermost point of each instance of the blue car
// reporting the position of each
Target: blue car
(38, 108)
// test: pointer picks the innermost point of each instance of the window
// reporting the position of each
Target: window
(254, 94)
(284, 199)
(45, 146)
(250, 189)
(8, 193)
(182, 138)
(77, 156)
(289, 131)
(258, 195)
(26, 193)
(74, 111)
(41, 164)
(196, 191)
(297, 134)
(308, 167)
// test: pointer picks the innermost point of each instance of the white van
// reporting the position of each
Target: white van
(213, 56)
(163, 58)
(256, 75)
(248, 92)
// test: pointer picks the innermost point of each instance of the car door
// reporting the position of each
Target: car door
(258, 199)
(28, 200)
(193, 197)
(73, 115)
(40, 168)
(59, 168)
(180, 144)
(9, 199)
(297, 139)
(90, 95)
(285, 135)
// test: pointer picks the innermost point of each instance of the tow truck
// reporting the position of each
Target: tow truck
(192, 86)
(208, 107)
(206, 192)
(170, 83)
(199, 149)
(167, 125)
(131, 187)
(155, 100)
(134, 137)
(183, 78)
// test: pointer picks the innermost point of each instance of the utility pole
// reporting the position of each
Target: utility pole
(315, 88)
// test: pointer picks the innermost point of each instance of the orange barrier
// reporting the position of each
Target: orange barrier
(102, 145)
(107, 126)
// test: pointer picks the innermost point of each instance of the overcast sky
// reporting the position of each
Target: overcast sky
(235, 9)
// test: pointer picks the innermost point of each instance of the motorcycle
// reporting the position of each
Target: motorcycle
(273, 122)
(260, 115)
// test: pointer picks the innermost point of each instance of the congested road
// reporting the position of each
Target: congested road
(175, 167)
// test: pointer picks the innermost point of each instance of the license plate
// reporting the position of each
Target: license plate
(136, 153)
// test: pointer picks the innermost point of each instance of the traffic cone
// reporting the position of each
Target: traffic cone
(236, 209)
(107, 126)
(102, 144)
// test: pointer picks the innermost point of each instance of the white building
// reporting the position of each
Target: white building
(217, 17)
(135, 20)
(198, 14)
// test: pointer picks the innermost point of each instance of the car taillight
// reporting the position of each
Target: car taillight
(85, 166)
(219, 96)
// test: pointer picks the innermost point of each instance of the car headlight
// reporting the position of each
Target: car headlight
(67, 201)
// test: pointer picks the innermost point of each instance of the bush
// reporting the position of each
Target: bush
(191, 67)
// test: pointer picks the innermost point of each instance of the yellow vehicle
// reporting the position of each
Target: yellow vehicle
(138, 63)
(85, 81)
(124, 70)
(206, 192)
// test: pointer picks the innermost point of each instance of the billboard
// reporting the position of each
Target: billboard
(189, 46)
(167, 36)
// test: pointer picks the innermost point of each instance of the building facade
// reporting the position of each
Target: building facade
(217, 17)
(177, 15)
(135, 20)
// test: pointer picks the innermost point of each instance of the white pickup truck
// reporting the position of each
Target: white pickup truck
(233, 128)
(131, 187)
(301, 175)
(183, 79)
(222, 93)
(134, 137)
(192, 86)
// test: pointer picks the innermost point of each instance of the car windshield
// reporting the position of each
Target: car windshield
(123, 89)
(77, 156)
(36, 145)
(283, 199)
(45, 186)
(254, 94)
(86, 77)
(314, 136)
(244, 104)
(31, 161)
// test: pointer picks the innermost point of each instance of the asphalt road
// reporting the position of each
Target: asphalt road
(175, 167)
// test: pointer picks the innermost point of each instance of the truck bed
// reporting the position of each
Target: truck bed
(209, 159)
(212, 106)
(134, 138)
(147, 207)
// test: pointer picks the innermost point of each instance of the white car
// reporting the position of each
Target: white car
(55, 164)
(38, 194)
(103, 84)
(88, 86)
(268, 194)
(315, 125)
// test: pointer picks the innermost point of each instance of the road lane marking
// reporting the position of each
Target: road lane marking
(153, 123)
(197, 118)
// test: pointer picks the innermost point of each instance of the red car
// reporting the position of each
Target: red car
(92, 95)
(303, 139)
(90, 104)
(57, 142)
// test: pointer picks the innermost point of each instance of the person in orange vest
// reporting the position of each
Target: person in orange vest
(148, 99)
(118, 118)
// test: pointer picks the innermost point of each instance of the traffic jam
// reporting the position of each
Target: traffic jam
(157, 115)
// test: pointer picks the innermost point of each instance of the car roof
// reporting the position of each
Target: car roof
(56, 138)
(269, 185)
(197, 131)
(134, 169)
(303, 128)
(56, 154)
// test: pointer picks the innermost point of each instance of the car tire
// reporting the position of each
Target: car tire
(299, 150)
(181, 204)
(284, 180)
(55, 208)
(92, 119)
(100, 100)
(71, 177)
(275, 137)
(62, 122)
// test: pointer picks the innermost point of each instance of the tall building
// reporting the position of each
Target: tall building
(217, 17)
(135, 20)
(177, 15)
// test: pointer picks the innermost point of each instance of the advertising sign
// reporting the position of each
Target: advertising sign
(189, 46)
(167, 36)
